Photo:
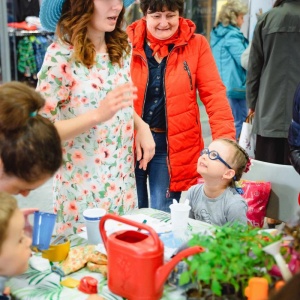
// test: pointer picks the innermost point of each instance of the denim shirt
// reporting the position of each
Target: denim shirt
(154, 109)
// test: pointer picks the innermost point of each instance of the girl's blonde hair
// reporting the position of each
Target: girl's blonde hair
(239, 160)
(8, 205)
(230, 11)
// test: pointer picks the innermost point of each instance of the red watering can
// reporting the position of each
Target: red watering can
(136, 268)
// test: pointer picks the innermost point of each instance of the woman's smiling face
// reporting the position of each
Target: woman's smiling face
(162, 25)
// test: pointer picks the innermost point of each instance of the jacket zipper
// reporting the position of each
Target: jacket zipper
(186, 68)
(191, 83)
(167, 158)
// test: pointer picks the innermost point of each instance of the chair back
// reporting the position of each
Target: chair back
(284, 199)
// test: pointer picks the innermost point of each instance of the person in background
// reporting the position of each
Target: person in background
(85, 79)
(271, 83)
(30, 147)
(272, 79)
(218, 201)
(170, 64)
(294, 132)
(228, 44)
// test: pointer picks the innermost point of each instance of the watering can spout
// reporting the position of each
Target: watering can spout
(163, 272)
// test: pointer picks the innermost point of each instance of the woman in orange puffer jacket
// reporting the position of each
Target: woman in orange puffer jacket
(170, 63)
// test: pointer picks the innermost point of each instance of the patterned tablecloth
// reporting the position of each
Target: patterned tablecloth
(36, 285)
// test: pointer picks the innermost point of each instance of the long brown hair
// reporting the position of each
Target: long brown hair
(72, 29)
(30, 146)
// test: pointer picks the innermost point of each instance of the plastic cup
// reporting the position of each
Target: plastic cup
(179, 219)
(43, 226)
(92, 217)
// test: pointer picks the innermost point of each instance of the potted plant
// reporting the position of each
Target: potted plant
(234, 255)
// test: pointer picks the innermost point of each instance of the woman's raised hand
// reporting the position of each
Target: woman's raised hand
(122, 96)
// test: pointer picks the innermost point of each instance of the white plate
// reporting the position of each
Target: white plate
(160, 227)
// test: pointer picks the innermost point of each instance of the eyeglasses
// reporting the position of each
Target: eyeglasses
(214, 155)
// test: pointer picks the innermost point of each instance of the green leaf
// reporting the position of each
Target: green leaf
(184, 278)
(216, 287)
(204, 272)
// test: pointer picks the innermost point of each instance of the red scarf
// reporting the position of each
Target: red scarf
(161, 46)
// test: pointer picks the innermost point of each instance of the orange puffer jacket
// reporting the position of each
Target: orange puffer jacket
(190, 67)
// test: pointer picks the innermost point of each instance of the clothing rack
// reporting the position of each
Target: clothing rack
(18, 32)
(15, 35)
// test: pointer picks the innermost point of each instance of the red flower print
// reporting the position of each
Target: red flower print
(112, 187)
(128, 196)
(72, 208)
(84, 100)
(69, 166)
(106, 153)
(63, 68)
(54, 46)
(128, 128)
(86, 175)
(94, 86)
(97, 161)
(77, 156)
(49, 107)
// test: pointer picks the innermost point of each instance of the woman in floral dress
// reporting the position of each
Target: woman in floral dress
(85, 79)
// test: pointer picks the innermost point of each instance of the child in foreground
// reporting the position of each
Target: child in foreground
(218, 201)
(14, 243)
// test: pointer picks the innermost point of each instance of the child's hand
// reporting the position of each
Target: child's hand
(28, 227)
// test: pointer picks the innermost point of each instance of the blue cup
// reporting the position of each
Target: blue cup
(43, 225)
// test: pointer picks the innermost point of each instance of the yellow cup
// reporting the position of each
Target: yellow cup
(57, 252)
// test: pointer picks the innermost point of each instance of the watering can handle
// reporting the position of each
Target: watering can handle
(152, 232)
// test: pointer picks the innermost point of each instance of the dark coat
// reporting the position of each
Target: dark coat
(274, 69)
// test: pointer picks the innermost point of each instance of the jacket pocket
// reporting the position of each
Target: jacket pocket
(187, 69)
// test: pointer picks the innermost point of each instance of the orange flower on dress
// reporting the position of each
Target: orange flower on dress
(77, 156)
(72, 208)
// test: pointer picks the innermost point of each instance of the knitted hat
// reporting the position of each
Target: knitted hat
(50, 12)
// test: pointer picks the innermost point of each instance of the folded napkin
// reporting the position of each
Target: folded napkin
(80, 257)
(39, 263)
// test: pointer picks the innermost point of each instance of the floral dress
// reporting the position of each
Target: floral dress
(98, 166)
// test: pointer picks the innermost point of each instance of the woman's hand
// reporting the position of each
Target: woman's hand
(26, 213)
(144, 142)
(122, 96)
(251, 112)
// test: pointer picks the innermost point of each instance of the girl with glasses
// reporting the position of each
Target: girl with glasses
(218, 201)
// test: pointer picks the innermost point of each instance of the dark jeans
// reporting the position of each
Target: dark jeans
(239, 110)
(158, 174)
